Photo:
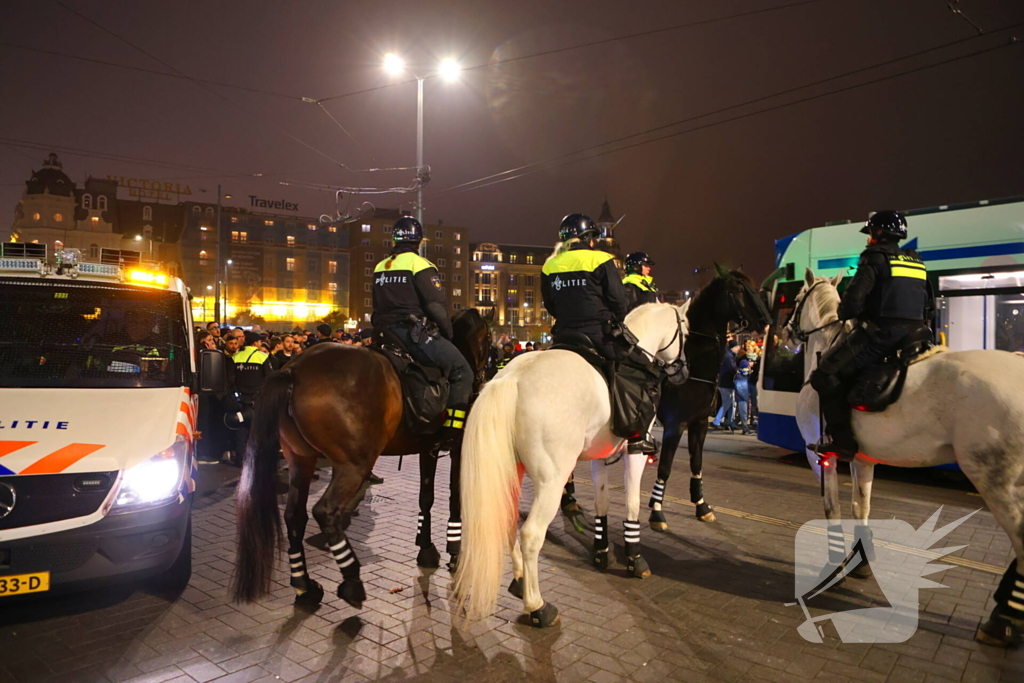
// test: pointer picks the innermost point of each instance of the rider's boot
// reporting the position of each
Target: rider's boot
(642, 444)
(836, 411)
(453, 428)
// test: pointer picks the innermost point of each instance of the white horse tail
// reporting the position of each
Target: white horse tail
(490, 497)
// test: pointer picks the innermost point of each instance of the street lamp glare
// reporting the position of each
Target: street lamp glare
(393, 64)
(138, 238)
(449, 69)
(230, 262)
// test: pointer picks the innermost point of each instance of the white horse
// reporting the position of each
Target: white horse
(541, 415)
(963, 407)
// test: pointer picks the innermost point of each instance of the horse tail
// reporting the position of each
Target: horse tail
(490, 497)
(258, 518)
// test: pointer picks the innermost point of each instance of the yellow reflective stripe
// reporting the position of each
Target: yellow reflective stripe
(407, 261)
(458, 413)
(576, 260)
(915, 273)
(454, 424)
(908, 264)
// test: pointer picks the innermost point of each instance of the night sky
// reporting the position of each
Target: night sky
(943, 135)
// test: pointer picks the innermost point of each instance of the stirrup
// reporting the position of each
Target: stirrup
(830, 450)
(646, 446)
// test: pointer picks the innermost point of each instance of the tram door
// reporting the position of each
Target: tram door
(969, 317)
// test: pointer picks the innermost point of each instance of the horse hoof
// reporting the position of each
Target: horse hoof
(999, 631)
(861, 571)
(658, 521)
(428, 557)
(453, 563)
(601, 559)
(515, 589)
(637, 567)
(571, 508)
(312, 596)
(546, 616)
(352, 592)
(705, 513)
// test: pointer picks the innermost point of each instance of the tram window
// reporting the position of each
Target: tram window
(783, 367)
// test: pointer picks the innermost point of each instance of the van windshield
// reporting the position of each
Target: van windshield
(86, 334)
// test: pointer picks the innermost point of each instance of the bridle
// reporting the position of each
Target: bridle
(793, 324)
(675, 371)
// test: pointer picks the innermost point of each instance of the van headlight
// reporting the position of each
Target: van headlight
(153, 482)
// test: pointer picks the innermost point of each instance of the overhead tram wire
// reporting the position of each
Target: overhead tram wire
(197, 82)
(546, 163)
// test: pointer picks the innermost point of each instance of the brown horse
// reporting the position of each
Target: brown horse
(343, 403)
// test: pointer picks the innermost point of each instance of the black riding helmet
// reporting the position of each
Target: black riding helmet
(886, 225)
(576, 225)
(407, 230)
(636, 261)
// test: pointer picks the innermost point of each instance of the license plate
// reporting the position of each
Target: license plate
(20, 584)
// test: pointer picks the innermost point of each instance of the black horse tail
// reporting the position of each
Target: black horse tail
(258, 517)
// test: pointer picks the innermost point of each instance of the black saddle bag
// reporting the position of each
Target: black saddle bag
(635, 393)
(879, 386)
(424, 388)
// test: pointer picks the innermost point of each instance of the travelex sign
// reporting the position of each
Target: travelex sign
(272, 203)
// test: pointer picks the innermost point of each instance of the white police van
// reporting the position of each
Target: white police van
(98, 405)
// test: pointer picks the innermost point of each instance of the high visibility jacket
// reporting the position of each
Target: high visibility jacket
(251, 368)
(406, 284)
(582, 290)
(891, 283)
(640, 289)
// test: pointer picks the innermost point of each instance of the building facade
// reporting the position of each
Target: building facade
(445, 246)
(506, 278)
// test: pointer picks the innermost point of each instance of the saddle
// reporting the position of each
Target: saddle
(634, 384)
(424, 388)
(879, 386)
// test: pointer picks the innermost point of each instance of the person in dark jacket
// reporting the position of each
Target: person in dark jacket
(582, 290)
(726, 416)
(892, 300)
(409, 300)
(640, 287)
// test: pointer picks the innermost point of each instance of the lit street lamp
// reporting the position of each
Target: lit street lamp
(225, 309)
(138, 238)
(449, 70)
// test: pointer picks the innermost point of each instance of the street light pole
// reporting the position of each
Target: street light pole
(225, 309)
(419, 149)
(220, 257)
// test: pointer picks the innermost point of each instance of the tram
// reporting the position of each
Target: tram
(975, 258)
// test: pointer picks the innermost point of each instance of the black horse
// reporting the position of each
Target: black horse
(730, 297)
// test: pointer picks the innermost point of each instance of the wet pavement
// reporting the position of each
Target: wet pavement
(715, 609)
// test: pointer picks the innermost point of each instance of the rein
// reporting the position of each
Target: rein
(794, 320)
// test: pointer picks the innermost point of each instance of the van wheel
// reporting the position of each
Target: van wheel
(177, 576)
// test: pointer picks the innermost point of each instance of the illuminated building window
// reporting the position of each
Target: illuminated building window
(332, 286)
(529, 259)
(36, 216)
(312, 226)
(59, 217)
(291, 240)
(268, 222)
(512, 279)
(456, 250)
(332, 267)
(441, 263)
(513, 258)
(366, 227)
(369, 256)
(332, 228)
(457, 264)
(101, 202)
(456, 291)
(202, 254)
(95, 220)
(528, 297)
(289, 264)
(86, 201)
(239, 236)
(234, 219)
(147, 213)
(456, 236)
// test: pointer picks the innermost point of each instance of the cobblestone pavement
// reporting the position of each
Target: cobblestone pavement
(713, 611)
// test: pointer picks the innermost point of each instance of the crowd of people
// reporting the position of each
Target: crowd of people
(737, 387)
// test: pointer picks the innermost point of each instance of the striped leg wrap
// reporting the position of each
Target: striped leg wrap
(423, 530)
(454, 537)
(346, 559)
(658, 494)
(697, 496)
(1010, 593)
(864, 534)
(836, 544)
(456, 419)
(297, 569)
(601, 533)
(631, 533)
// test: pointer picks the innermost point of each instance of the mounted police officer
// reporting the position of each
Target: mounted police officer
(583, 291)
(640, 287)
(408, 300)
(892, 301)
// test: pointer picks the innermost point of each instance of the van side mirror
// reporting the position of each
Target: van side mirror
(213, 369)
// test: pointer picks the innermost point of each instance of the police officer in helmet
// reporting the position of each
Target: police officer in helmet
(582, 290)
(408, 300)
(640, 287)
(892, 300)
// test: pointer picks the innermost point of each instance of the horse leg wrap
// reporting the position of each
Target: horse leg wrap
(423, 530)
(569, 503)
(1010, 594)
(697, 496)
(658, 494)
(546, 616)
(601, 554)
(300, 580)
(454, 537)
(631, 534)
(346, 559)
(836, 544)
(515, 589)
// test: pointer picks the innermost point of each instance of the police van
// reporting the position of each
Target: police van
(98, 406)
